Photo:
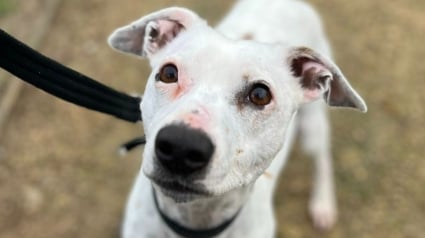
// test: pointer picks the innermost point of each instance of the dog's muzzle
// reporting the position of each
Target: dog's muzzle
(183, 150)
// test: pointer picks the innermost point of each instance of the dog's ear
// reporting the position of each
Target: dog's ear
(151, 33)
(320, 77)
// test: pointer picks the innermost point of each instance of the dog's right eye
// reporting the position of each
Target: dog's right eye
(168, 74)
(260, 95)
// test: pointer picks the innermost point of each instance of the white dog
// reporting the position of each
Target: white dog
(219, 114)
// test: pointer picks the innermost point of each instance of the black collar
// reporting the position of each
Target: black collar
(192, 233)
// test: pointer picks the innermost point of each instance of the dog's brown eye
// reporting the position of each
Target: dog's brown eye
(260, 95)
(168, 74)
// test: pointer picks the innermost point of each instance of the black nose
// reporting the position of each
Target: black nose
(183, 150)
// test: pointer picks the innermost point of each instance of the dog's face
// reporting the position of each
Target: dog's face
(229, 92)
(215, 110)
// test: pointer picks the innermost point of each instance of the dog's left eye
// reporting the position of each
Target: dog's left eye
(260, 95)
(168, 74)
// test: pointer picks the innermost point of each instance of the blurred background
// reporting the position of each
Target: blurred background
(60, 175)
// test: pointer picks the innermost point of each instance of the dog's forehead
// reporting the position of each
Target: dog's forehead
(205, 50)
(207, 43)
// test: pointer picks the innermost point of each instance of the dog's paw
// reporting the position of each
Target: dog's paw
(323, 214)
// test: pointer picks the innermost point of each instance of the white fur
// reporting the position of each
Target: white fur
(251, 144)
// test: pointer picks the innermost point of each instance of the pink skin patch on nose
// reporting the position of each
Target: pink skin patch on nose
(197, 119)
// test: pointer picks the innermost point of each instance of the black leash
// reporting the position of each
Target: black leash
(131, 144)
(192, 233)
(63, 82)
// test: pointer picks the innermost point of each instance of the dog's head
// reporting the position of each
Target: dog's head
(216, 110)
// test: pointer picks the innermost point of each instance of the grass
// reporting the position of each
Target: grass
(6, 7)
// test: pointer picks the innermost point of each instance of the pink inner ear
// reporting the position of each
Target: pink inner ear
(165, 31)
(160, 33)
(302, 64)
(168, 28)
(313, 65)
(313, 78)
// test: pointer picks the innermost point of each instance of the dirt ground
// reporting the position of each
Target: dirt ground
(60, 175)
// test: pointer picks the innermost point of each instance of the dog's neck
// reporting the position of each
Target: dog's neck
(204, 213)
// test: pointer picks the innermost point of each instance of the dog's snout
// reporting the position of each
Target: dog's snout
(183, 150)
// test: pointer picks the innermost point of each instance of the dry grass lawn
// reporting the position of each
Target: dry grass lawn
(60, 176)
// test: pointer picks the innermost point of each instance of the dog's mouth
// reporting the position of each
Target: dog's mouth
(177, 187)
(180, 191)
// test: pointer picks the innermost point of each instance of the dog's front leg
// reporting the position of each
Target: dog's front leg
(314, 130)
